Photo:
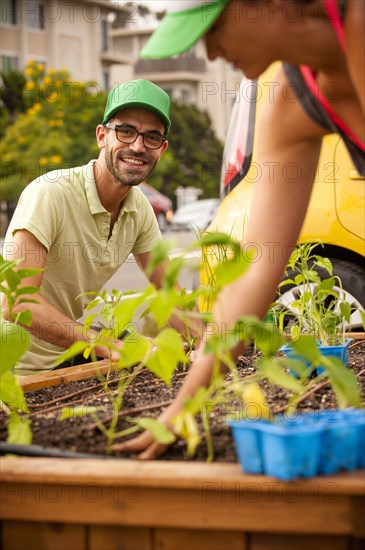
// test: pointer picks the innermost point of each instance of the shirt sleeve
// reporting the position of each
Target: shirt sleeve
(149, 234)
(39, 211)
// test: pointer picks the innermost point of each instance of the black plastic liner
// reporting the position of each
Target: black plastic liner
(38, 450)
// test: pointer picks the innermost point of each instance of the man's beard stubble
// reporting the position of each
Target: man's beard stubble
(125, 178)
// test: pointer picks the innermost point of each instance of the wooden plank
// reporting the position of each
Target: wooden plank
(110, 537)
(207, 478)
(358, 504)
(135, 505)
(62, 376)
(18, 535)
(183, 539)
(297, 542)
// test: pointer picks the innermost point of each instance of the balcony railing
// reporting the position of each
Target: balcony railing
(191, 64)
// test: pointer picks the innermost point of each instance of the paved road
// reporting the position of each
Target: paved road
(130, 277)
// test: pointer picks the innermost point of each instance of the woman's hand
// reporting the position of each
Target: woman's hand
(144, 443)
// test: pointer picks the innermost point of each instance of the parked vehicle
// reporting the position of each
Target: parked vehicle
(161, 204)
(194, 216)
(336, 214)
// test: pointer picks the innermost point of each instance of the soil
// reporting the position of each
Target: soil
(148, 396)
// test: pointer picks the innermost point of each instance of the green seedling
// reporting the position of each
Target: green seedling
(320, 308)
(15, 341)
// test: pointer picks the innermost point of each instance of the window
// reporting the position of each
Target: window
(239, 142)
(104, 35)
(106, 80)
(185, 96)
(35, 14)
(9, 63)
(8, 12)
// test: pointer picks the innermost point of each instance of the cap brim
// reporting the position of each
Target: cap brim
(141, 105)
(179, 31)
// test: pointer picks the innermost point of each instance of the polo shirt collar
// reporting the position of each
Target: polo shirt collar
(129, 203)
(91, 192)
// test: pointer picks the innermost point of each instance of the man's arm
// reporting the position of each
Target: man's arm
(195, 328)
(63, 331)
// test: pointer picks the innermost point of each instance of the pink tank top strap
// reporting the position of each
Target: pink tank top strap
(310, 80)
(334, 16)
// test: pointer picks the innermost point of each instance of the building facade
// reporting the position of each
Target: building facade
(59, 34)
(189, 78)
(101, 40)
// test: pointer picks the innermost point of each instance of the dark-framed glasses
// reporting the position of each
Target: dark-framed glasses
(128, 134)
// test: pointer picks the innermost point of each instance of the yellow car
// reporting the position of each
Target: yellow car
(336, 214)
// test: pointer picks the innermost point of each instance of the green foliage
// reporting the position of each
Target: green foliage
(193, 156)
(11, 97)
(160, 432)
(320, 309)
(56, 131)
(14, 343)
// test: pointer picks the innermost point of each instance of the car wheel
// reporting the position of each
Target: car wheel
(353, 285)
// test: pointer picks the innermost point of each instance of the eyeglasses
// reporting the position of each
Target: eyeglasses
(128, 134)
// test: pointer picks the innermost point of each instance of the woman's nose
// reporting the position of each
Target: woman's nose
(212, 48)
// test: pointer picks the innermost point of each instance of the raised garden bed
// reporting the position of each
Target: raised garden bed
(98, 503)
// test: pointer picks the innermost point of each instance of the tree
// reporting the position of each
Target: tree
(56, 131)
(11, 97)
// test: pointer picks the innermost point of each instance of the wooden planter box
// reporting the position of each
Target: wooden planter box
(96, 504)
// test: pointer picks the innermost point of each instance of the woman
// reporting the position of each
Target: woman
(320, 90)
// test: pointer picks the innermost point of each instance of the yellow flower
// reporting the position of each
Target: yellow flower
(30, 85)
(47, 80)
(40, 67)
(59, 122)
(30, 62)
(29, 71)
(51, 98)
(37, 107)
(255, 401)
(20, 139)
(51, 123)
(43, 161)
(56, 159)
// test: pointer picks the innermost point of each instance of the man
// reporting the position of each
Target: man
(80, 225)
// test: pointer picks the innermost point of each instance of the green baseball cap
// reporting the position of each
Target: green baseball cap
(139, 93)
(182, 26)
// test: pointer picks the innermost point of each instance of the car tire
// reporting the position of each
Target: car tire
(353, 283)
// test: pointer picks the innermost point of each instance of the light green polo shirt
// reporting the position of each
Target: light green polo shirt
(63, 211)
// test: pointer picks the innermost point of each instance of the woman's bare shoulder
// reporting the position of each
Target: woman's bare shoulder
(284, 121)
(355, 46)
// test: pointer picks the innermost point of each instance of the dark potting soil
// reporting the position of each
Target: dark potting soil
(148, 396)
